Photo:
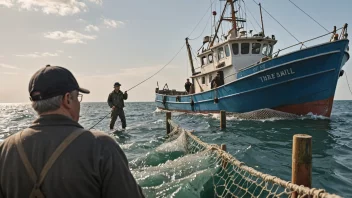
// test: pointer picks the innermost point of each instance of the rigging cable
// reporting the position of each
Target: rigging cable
(253, 17)
(206, 25)
(348, 83)
(202, 18)
(280, 23)
(309, 16)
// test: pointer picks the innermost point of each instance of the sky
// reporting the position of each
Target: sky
(106, 41)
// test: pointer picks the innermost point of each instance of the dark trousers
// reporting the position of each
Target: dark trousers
(117, 113)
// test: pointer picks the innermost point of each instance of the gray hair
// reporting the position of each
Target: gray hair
(50, 104)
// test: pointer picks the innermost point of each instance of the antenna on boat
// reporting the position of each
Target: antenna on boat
(261, 18)
(220, 20)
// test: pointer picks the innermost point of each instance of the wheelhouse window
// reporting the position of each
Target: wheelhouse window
(227, 51)
(235, 48)
(210, 58)
(256, 48)
(204, 60)
(270, 48)
(203, 80)
(221, 53)
(265, 47)
(244, 48)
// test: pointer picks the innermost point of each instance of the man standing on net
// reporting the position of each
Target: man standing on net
(116, 102)
(56, 156)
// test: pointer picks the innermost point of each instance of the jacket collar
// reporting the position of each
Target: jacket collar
(54, 120)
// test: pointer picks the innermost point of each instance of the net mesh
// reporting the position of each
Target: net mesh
(264, 114)
(233, 178)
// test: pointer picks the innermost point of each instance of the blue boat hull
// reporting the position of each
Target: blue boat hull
(300, 82)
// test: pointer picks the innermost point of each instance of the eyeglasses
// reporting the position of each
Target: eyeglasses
(79, 97)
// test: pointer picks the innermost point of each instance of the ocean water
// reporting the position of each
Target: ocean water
(163, 169)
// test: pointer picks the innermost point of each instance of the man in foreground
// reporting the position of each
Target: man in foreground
(116, 102)
(55, 156)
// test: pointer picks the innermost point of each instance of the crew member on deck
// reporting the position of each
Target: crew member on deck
(216, 82)
(56, 156)
(188, 86)
(116, 102)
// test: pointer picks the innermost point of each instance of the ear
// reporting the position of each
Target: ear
(66, 100)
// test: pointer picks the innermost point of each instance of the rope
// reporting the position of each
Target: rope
(99, 121)
(348, 83)
(280, 24)
(309, 16)
(160, 68)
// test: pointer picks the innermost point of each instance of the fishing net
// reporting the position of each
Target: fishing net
(233, 178)
(263, 114)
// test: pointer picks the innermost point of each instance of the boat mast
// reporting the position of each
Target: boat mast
(217, 28)
(233, 13)
(190, 56)
(232, 19)
(261, 18)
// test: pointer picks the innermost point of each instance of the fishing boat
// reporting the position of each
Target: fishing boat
(240, 72)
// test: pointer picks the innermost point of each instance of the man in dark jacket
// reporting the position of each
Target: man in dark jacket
(116, 102)
(217, 81)
(188, 85)
(56, 156)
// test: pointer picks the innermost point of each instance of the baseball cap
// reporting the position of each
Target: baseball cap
(52, 81)
(117, 84)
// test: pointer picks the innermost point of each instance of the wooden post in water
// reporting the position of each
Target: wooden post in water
(223, 147)
(168, 126)
(222, 119)
(302, 161)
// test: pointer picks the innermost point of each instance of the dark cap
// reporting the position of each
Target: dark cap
(117, 84)
(52, 81)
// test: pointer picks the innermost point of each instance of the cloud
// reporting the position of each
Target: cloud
(8, 66)
(90, 28)
(97, 1)
(1, 56)
(71, 37)
(81, 20)
(6, 3)
(110, 23)
(60, 51)
(58, 7)
(39, 55)
(70, 57)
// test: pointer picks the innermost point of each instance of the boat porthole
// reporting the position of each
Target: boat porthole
(216, 100)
